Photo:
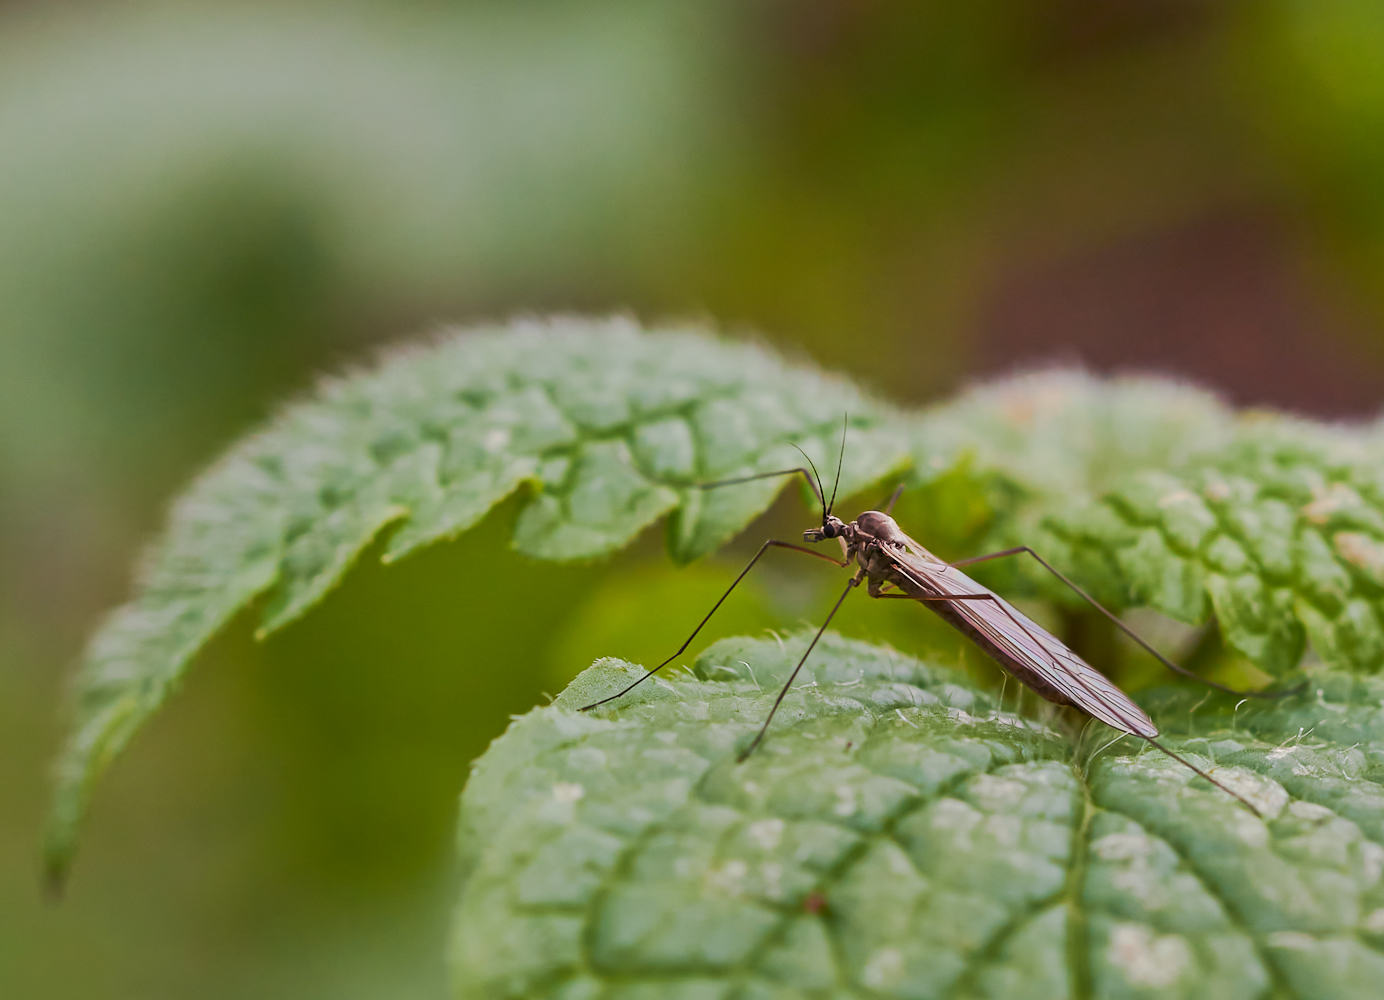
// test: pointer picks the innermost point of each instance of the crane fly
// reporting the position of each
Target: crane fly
(893, 565)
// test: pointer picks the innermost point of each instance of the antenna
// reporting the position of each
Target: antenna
(839, 462)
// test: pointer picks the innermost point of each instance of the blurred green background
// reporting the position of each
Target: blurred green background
(203, 204)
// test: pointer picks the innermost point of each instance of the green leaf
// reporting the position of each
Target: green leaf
(608, 428)
(1153, 494)
(1019, 452)
(1282, 530)
(896, 835)
(1069, 434)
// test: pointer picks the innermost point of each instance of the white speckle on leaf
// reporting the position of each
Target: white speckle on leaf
(750, 788)
(496, 440)
(899, 863)
(1293, 940)
(1309, 811)
(1140, 882)
(676, 790)
(955, 815)
(961, 718)
(1360, 550)
(1336, 497)
(1374, 922)
(1122, 847)
(845, 801)
(767, 833)
(1007, 830)
(588, 759)
(1218, 490)
(773, 879)
(1265, 794)
(996, 793)
(730, 877)
(882, 969)
(1145, 958)
(566, 791)
(1136, 876)
(1177, 496)
(1371, 862)
(1250, 831)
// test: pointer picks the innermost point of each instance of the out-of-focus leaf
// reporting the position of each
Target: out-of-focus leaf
(1004, 456)
(609, 428)
(200, 199)
(1067, 433)
(897, 836)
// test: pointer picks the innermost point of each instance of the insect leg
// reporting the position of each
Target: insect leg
(812, 483)
(1038, 647)
(1188, 764)
(771, 543)
(893, 499)
(855, 581)
(1175, 668)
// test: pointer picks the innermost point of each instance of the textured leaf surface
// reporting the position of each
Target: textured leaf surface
(1280, 532)
(897, 836)
(1154, 494)
(1006, 458)
(608, 427)
(1064, 433)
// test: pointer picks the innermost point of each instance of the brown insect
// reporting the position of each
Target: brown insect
(893, 565)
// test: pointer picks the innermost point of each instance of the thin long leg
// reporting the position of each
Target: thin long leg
(783, 693)
(1176, 757)
(812, 483)
(1122, 626)
(771, 543)
(977, 596)
(981, 597)
(1004, 608)
(894, 498)
(1037, 644)
(991, 597)
(1007, 613)
(1188, 764)
(855, 581)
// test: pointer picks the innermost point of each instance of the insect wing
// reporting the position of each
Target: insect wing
(1028, 642)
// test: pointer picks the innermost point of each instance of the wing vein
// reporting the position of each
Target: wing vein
(1014, 634)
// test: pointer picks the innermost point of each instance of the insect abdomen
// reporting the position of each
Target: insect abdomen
(1021, 671)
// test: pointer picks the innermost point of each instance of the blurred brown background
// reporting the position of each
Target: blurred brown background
(204, 204)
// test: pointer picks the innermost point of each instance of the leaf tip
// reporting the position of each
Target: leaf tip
(55, 872)
(59, 848)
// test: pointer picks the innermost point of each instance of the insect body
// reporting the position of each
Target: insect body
(1035, 657)
(892, 565)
